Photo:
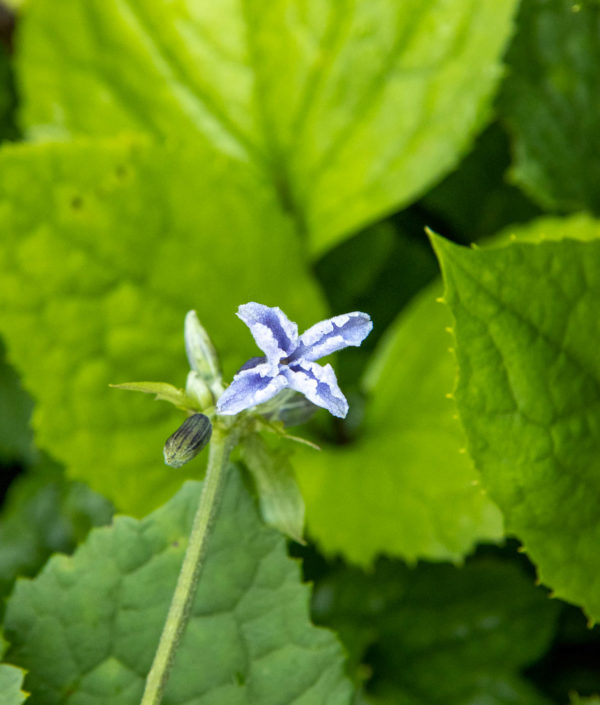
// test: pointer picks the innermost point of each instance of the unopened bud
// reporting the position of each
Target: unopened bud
(198, 390)
(200, 351)
(187, 441)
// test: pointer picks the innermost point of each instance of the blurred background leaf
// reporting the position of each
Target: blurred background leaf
(440, 634)
(102, 257)
(350, 109)
(402, 486)
(551, 103)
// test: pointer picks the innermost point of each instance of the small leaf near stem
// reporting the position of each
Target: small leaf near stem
(223, 439)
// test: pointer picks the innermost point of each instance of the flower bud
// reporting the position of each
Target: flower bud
(200, 351)
(187, 441)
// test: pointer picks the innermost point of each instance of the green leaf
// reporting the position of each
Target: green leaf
(105, 246)
(279, 497)
(551, 103)
(526, 322)
(161, 390)
(474, 627)
(249, 639)
(403, 487)
(11, 679)
(350, 109)
(43, 513)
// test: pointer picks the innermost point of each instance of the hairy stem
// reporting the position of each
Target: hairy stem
(191, 568)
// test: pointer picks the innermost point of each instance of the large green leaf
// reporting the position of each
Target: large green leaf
(474, 627)
(551, 102)
(351, 108)
(527, 329)
(404, 487)
(105, 246)
(249, 639)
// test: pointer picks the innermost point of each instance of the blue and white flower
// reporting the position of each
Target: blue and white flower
(290, 360)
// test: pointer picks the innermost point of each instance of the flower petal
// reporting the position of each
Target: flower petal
(251, 386)
(333, 334)
(318, 383)
(273, 332)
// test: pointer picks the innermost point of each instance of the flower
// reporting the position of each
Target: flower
(289, 360)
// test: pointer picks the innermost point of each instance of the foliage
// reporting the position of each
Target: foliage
(160, 157)
(120, 582)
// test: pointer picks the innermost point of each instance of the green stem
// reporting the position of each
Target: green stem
(193, 562)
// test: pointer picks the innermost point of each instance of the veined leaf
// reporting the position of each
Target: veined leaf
(528, 393)
(404, 488)
(249, 639)
(105, 246)
(349, 108)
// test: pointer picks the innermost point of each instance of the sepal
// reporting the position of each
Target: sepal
(201, 353)
(279, 496)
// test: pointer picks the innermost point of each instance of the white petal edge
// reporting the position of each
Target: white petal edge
(319, 385)
(329, 336)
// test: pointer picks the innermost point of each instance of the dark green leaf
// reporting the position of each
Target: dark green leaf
(439, 634)
(551, 102)
(87, 627)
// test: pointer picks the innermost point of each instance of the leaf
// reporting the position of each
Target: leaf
(43, 513)
(11, 679)
(550, 102)
(528, 393)
(279, 497)
(349, 109)
(249, 639)
(474, 627)
(403, 488)
(105, 246)
(161, 390)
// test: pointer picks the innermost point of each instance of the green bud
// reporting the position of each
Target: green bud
(197, 389)
(187, 441)
(200, 351)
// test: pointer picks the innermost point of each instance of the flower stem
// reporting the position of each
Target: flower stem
(191, 568)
